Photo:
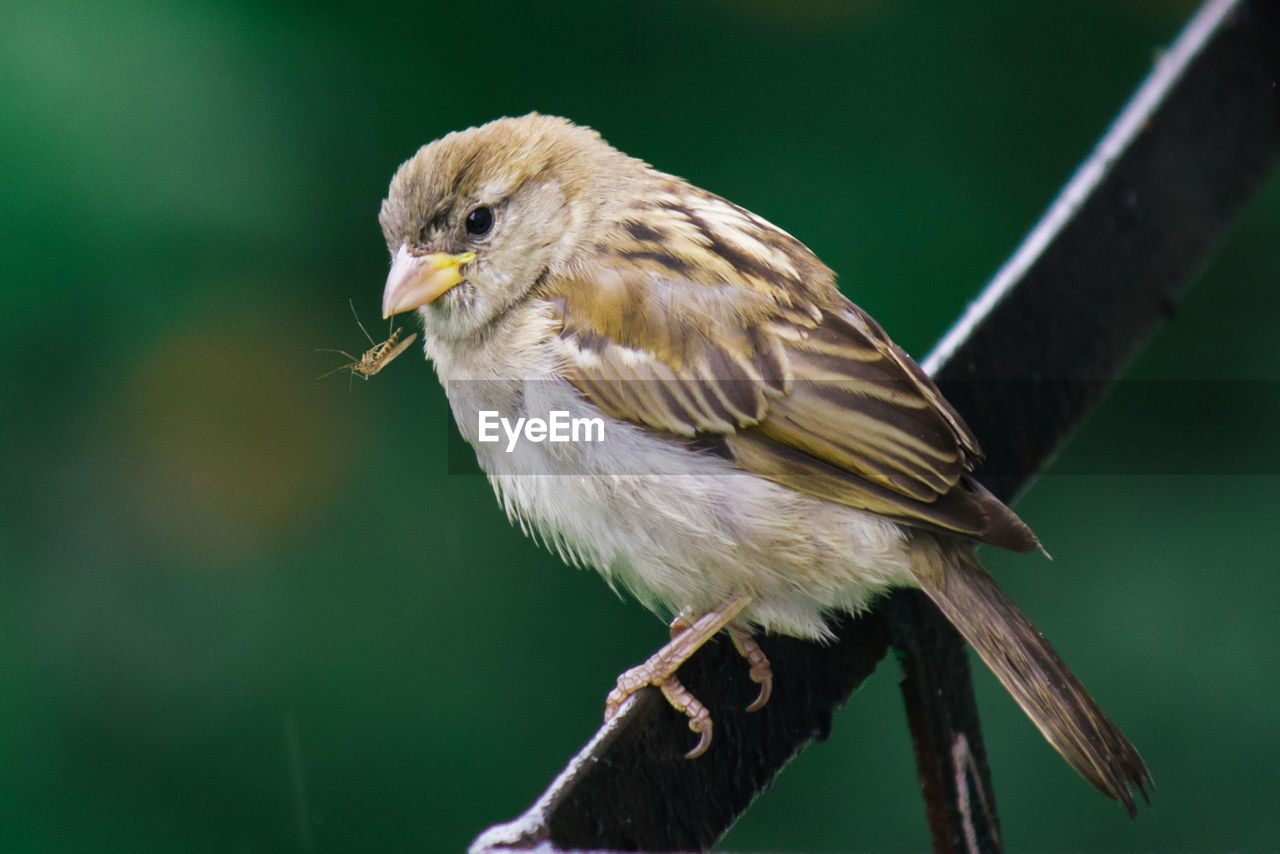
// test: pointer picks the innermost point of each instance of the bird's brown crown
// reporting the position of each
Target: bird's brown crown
(493, 160)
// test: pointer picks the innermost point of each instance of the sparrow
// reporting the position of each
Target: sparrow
(768, 457)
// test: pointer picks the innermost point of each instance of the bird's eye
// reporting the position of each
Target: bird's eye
(479, 221)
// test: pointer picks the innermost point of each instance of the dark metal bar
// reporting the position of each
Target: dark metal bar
(1031, 356)
(942, 713)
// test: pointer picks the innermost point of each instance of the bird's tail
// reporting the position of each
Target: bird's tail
(1029, 669)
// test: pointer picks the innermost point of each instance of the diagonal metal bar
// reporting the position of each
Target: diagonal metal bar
(1027, 361)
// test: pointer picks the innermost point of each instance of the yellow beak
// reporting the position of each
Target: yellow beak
(416, 280)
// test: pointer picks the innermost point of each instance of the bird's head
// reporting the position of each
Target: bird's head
(476, 218)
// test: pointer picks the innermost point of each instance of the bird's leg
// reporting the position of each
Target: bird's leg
(661, 667)
(761, 671)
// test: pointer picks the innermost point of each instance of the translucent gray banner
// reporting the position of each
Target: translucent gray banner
(1148, 427)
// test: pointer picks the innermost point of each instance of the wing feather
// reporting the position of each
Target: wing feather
(800, 385)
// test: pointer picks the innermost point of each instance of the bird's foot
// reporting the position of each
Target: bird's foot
(659, 670)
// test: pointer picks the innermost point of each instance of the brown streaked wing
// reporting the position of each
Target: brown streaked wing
(803, 386)
(864, 426)
(856, 405)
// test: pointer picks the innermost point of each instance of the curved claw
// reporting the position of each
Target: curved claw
(766, 691)
(699, 718)
(704, 741)
(761, 671)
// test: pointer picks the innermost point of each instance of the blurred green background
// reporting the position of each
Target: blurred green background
(243, 610)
